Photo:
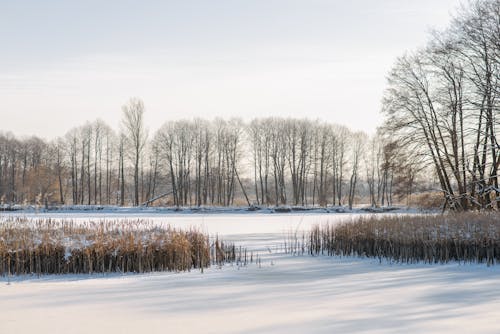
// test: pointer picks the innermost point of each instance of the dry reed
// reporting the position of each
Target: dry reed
(472, 237)
(63, 247)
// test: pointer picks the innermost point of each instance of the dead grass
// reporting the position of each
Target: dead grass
(427, 200)
(471, 237)
(63, 247)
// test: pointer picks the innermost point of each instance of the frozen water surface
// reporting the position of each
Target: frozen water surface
(285, 294)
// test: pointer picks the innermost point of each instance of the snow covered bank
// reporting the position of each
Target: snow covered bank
(201, 209)
(291, 295)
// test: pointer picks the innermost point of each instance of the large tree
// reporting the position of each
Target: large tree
(442, 102)
(136, 136)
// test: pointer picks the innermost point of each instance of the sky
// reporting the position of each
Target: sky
(63, 63)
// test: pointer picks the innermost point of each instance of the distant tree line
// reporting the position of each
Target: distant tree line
(443, 104)
(269, 161)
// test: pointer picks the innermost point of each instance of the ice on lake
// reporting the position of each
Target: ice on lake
(285, 294)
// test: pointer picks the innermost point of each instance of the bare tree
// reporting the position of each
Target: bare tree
(136, 136)
(358, 140)
(442, 103)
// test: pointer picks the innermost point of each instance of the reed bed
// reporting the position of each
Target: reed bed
(37, 247)
(472, 238)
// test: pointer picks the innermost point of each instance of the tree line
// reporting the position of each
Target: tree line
(442, 103)
(268, 161)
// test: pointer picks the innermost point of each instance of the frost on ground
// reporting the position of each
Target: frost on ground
(286, 294)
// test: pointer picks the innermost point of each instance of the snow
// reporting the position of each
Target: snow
(286, 294)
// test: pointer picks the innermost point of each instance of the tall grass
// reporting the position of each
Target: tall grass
(469, 237)
(62, 247)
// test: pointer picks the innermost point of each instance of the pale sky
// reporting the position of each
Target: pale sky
(65, 62)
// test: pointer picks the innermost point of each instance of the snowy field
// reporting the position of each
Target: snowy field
(285, 294)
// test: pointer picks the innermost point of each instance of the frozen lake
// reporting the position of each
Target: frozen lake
(286, 294)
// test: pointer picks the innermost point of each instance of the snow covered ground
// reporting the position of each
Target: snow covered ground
(204, 210)
(285, 294)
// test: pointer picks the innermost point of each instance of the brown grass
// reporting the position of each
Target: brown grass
(471, 237)
(427, 200)
(63, 247)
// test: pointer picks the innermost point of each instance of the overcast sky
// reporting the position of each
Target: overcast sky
(65, 62)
